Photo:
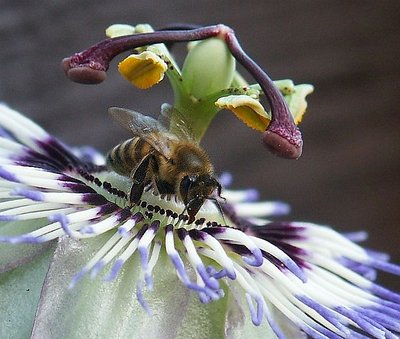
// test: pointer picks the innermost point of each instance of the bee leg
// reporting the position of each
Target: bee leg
(192, 207)
(164, 187)
(138, 176)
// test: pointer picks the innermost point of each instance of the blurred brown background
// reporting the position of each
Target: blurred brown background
(348, 176)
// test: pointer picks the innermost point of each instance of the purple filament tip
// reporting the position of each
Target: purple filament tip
(8, 175)
(180, 268)
(360, 321)
(123, 232)
(362, 269)
(20, 239)
(252, 195)
(144, 256)
(97, 268)
(33, 195)
(376, 255)
(256, 260)
(323, 311)
(77, 277)
(204, 298)
(274, 326)
(356, 236)
(149, 281)
(63, 220)
(389, 322)
(8, 217)
(87, 230)
(210, 281)
(281, 208)
(385, 293)
(140, 298)
(257, 313)
(115, 270)
(295, 269)
(226, 179)
(217, 274)
(385, 266)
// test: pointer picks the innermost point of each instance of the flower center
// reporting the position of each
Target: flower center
(167, 209)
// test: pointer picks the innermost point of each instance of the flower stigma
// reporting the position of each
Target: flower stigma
(195, 255)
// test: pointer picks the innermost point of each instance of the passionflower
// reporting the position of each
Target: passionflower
(102, 267)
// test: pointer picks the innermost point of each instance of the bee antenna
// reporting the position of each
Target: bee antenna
(218, 205)
(219, 191)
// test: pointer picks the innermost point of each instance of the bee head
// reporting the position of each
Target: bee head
(194, 190)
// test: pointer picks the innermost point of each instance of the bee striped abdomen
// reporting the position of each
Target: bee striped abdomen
(123, 157)
(141, 149)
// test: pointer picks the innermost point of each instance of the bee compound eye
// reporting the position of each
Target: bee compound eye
(184, 185)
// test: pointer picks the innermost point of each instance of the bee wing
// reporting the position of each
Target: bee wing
(183, 129)
(144, 127)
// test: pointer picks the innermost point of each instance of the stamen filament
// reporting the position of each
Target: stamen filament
(143, 247)
(35, 212)
(240, 196)
(26, 131)
(104, 225)
(111, 254)
(129, 250)
(334, 266)
(9, 146)
(10, 204)
(280, 255)
(205, 294)
(220, 255)
(337, 288)
(236, 236)
(152, 263)
(125, 255)
(127, 226)
(252, 291)
(92, 262)
(292, 312)
(195, 260)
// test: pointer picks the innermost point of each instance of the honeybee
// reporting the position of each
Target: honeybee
(173, 162)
